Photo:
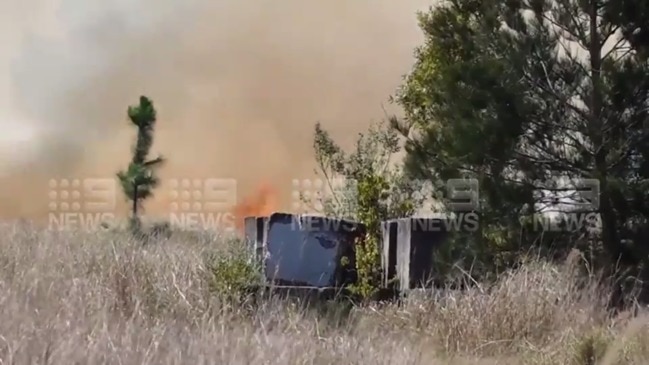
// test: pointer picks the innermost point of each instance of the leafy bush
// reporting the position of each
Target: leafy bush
(231, 272)
(373, 192)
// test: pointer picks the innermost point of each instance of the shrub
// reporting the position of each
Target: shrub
(231, 272)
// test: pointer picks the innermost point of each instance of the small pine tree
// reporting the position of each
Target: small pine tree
(139, 180)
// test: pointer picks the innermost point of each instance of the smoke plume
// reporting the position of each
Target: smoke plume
(238, 86)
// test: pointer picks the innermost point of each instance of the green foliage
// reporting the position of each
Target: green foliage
(231, 273)
(632, 16)
(508, 100)
(374, 191)
(139, 180)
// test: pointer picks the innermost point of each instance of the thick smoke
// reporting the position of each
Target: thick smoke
(238, 86)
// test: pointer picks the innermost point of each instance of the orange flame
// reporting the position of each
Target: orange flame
(264, 201)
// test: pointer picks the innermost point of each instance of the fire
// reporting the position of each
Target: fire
(264, 201)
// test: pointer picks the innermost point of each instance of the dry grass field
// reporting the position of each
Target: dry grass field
(99, 298)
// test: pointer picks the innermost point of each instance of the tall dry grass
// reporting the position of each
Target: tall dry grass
(82, 298)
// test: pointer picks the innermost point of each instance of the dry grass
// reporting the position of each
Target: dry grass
(74, 298)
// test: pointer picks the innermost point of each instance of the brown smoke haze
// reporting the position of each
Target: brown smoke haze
(238, 86)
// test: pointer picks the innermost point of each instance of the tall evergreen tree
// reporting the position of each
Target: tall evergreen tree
(632, 16)
(525, 94)
(139, 180)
